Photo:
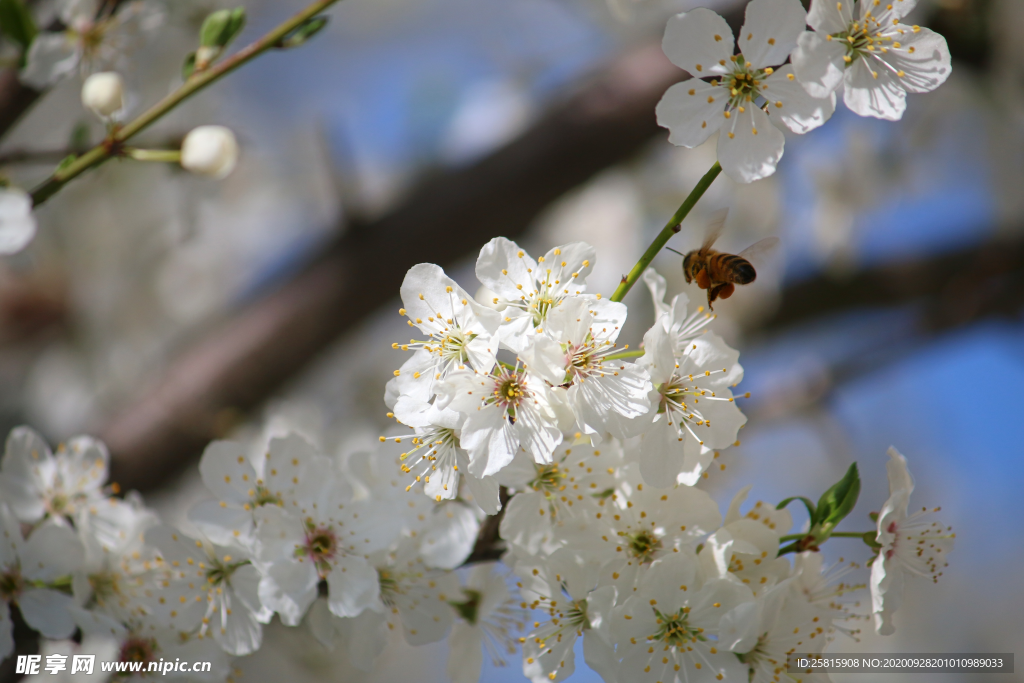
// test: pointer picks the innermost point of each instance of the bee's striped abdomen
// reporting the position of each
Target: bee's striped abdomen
(732, 268)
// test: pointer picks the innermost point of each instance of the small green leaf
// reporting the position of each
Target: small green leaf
(221, 27)
(189, 67)
(16, 23)
(847, 499)
(300, 35)
(67, 161)
(807, 504)
(839, 500)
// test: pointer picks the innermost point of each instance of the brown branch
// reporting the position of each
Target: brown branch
(604, 122)
(15, 99)
(489, 546)
(957, 287)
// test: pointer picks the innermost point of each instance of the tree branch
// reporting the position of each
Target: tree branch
(15, 99)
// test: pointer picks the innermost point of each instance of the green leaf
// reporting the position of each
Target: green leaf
(189, 67)
(848, 499)
(304, 32)
(221, 27)
(67, 161)
(838, 501)
(807, 504)
(16, 23)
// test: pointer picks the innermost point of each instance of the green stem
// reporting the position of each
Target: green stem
(172, 156)
(672, 227)
(635, 353)
(197, 82)
(834, 534)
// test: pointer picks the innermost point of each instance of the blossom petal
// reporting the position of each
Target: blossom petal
(874, 91)
(698, 41)
(485, 493)
(502, 265)
(240, 633)
(51, 57)
(899, 475)
(818, 64)
(922, 58)
(46, 611)
(222, 524)
(691, 111)
(17, 224)
(227, 472)
(900, 8)
(289, 588)
(50, 552)
(830, 16)
(449, 539)
(749, 147)
(886, 594)
(770, 31)
(26, 469)
(352, 586)
(465, 653)
(790, 102)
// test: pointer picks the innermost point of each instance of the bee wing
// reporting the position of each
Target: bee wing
(714, 229)
(756, 251)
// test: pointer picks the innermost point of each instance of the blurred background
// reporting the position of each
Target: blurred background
(160, 311)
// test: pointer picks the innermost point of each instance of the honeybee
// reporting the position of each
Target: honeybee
(718, 272)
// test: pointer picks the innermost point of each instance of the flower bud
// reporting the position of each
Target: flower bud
(210, 151)
(103, 93)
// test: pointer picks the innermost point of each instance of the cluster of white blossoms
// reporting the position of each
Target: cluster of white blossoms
(521, 403)
(534, 365)
(779, 73)
(523, 389)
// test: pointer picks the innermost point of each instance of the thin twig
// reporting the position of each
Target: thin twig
(114, 144)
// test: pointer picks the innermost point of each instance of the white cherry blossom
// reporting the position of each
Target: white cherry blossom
(36, 483)
(142, 640)
(645, 524)
(910, 544)
(506, 409)
(545, 495)
(93, 39)
(17, 223)
(863, 46)
(489, 619)
(435, 457)
(244, 482)
(118, 566)
(218, 584)
(27, 568)
(524, 290)
(745, 94)
(667, 629)
(460, 332)
(746, 548)
(695, 413)
(317, 533)
(605, 394)
(565, 586)
(763, 633)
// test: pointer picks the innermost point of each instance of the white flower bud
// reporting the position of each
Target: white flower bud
(210, 151)
(103, 93)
